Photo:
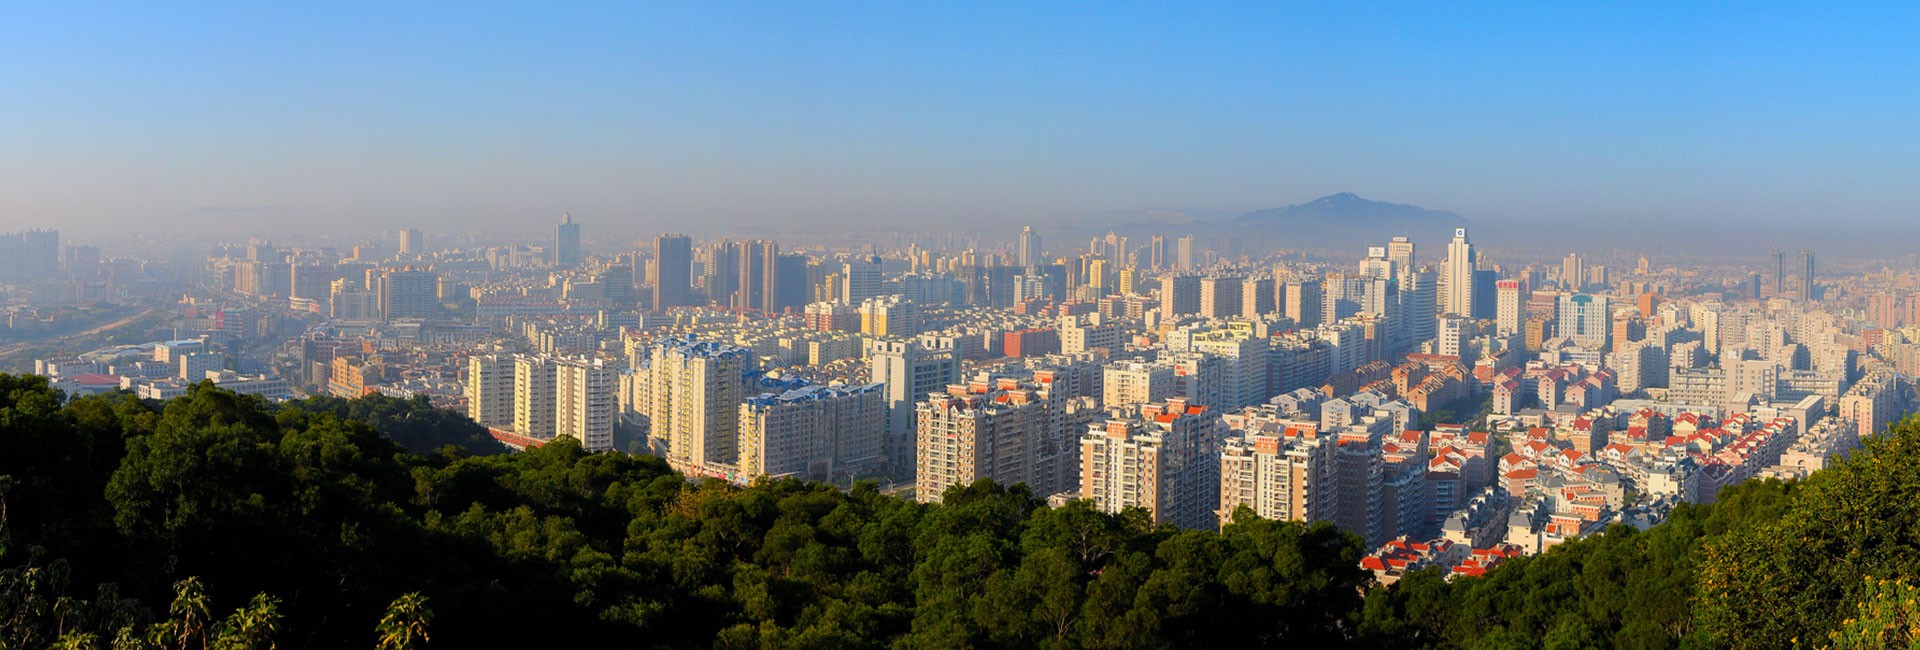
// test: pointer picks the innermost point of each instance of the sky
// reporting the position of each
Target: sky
(933, 116)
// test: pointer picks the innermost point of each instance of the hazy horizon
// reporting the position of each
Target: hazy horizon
(350, 119)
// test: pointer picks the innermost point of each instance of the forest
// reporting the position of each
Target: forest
(218, 520)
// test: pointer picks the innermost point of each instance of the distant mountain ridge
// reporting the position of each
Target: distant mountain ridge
(1350, 208)
(1343, 221)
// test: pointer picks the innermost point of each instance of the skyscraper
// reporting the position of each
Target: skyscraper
(1186, 257)
(413, 242)
(1808, 290)
(1028, 251)
(759, 262)
(1400, 252)
(672, 271)
(1573, 273)
(1457, 279)
(566, 241)
(1157, 257)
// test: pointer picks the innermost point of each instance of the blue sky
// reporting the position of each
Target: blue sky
(714, 115)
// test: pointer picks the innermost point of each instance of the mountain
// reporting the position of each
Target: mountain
(1352, 209)
(1346, 220)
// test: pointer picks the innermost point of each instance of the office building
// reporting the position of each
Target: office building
(1456, 291)
(1585, 319)
(1510, 313)
(566, 242)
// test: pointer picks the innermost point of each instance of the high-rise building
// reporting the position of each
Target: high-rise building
(720, 271)
(1400, 252)
(1179, 295)
(407, 293)
(413, 242)
(1585, 319)
(1186, 256)
(1303, 302)
(1157, 256)
(1000, 429)
(1257, 297)
(1159, 457)
(1028, 251)
(696, 388)
(1457, 278)
(1285, 473)
(1509, 311)
(1418, 301)
(862, 280)
(566, 241)
(1809, 290)
(1573, 273)
(789, 283)
(672, 271)
(1220, 296)
(758, 286)
(910, 372)
(894, 316)
(1130, 383)
(490, 389)
(533, 396)
(584, 402)
(814, 432)
(39, 255)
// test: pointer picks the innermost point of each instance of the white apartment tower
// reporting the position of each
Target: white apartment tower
(584, 402)
(490, 390)
(697, 387)
(533, 396)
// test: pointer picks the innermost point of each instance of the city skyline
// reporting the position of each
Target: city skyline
(651, 119)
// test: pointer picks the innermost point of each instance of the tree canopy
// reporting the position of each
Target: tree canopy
(221, 520)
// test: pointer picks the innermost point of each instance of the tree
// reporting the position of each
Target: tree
(405, 625)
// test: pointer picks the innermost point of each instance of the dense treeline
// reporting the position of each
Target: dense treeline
(234, 522)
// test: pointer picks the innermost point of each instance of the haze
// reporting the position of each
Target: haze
(709, 117)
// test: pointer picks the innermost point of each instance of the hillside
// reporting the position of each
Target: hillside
(217, 517)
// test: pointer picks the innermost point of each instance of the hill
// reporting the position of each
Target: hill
(1343, 221)
(220, 520)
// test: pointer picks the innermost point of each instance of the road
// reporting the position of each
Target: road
(15, 348)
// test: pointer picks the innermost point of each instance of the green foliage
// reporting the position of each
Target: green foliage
(414, 424)
(309, 528)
